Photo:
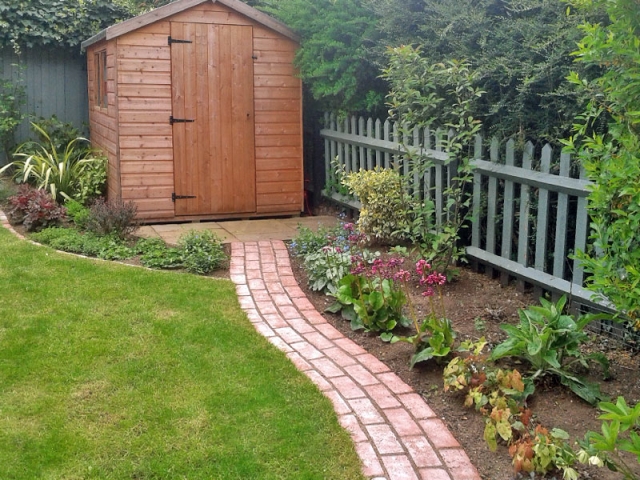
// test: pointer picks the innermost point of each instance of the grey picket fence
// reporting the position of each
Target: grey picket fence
(528, 207)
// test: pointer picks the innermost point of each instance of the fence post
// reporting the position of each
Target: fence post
(369, 151)
(559, 251)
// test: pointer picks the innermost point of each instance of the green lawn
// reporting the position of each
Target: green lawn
(108, 371)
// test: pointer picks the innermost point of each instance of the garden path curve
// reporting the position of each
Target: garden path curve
(396, 434)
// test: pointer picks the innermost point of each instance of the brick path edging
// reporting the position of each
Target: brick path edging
(396, 434)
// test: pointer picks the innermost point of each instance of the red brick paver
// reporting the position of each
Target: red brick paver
(396, 434)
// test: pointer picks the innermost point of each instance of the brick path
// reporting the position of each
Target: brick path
(396, 434)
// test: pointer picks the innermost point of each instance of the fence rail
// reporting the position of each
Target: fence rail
(528, 205)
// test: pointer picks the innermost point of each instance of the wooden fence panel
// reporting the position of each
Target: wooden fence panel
(56, 84)
(496, 227)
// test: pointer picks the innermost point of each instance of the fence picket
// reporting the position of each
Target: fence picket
(507, 216)
(477, 193)
(491, 199)
(542, 223)
(582, 227)
(439, 182)
(369, 151)
(559, 251)
(354, 150)
(378, 135)
(525, 206)
(387, 137)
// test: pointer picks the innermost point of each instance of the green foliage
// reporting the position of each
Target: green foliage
(371, 303)
(64, 23)
(57, 133)
(546, 339)
(612, 158)
(500, 395)
(333, 58)
(71, 240)
(34, 209)
(114, 217)
(309, 241)
(202, 251)
(619, 433)
(385, 205)
(420, 93)
(326, 267)
(78, 213)
(154, 253)
(12, 97)
(74, 172)
(519, 48)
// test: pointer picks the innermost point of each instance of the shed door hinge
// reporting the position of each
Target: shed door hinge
(179, 120)
(175, 40)
(175, 197)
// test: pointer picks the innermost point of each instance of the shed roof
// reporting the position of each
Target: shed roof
(180, 5)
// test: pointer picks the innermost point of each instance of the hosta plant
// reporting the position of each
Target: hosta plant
(549, 341)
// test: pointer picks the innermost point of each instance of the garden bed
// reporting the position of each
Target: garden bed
(477, 305)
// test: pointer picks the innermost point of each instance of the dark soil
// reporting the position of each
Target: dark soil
(477, 305)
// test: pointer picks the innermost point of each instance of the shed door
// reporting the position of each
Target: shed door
(212, 84)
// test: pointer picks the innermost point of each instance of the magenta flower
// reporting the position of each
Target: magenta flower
(402, 276)
(422, 267)
(349, 227)
(428, 292)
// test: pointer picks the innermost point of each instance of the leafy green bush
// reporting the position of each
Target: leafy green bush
(64, 173)
(112, 218)
(154, 253)
(308, 241)
(78, 213)
(611, 157)
(34, 208)
(67, 240)
(386, 208)
(202, 251)
(73, 241)
(546, 339)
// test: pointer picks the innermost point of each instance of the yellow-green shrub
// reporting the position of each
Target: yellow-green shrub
(386, 208)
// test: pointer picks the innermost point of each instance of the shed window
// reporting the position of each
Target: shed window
(100, 64)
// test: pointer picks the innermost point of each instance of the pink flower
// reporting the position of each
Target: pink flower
(349, 227)
(326, 249)
(436, 278)
(428, 292)
(402, 276)
(422, 267)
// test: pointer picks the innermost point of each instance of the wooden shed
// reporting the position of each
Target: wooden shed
(198, 107)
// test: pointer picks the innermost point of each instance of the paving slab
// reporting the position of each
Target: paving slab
(239, 230)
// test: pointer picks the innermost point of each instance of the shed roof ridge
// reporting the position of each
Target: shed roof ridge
(173, 8)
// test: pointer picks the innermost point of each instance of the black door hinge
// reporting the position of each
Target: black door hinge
(179, 120)
(175, 197)
(175, 40)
